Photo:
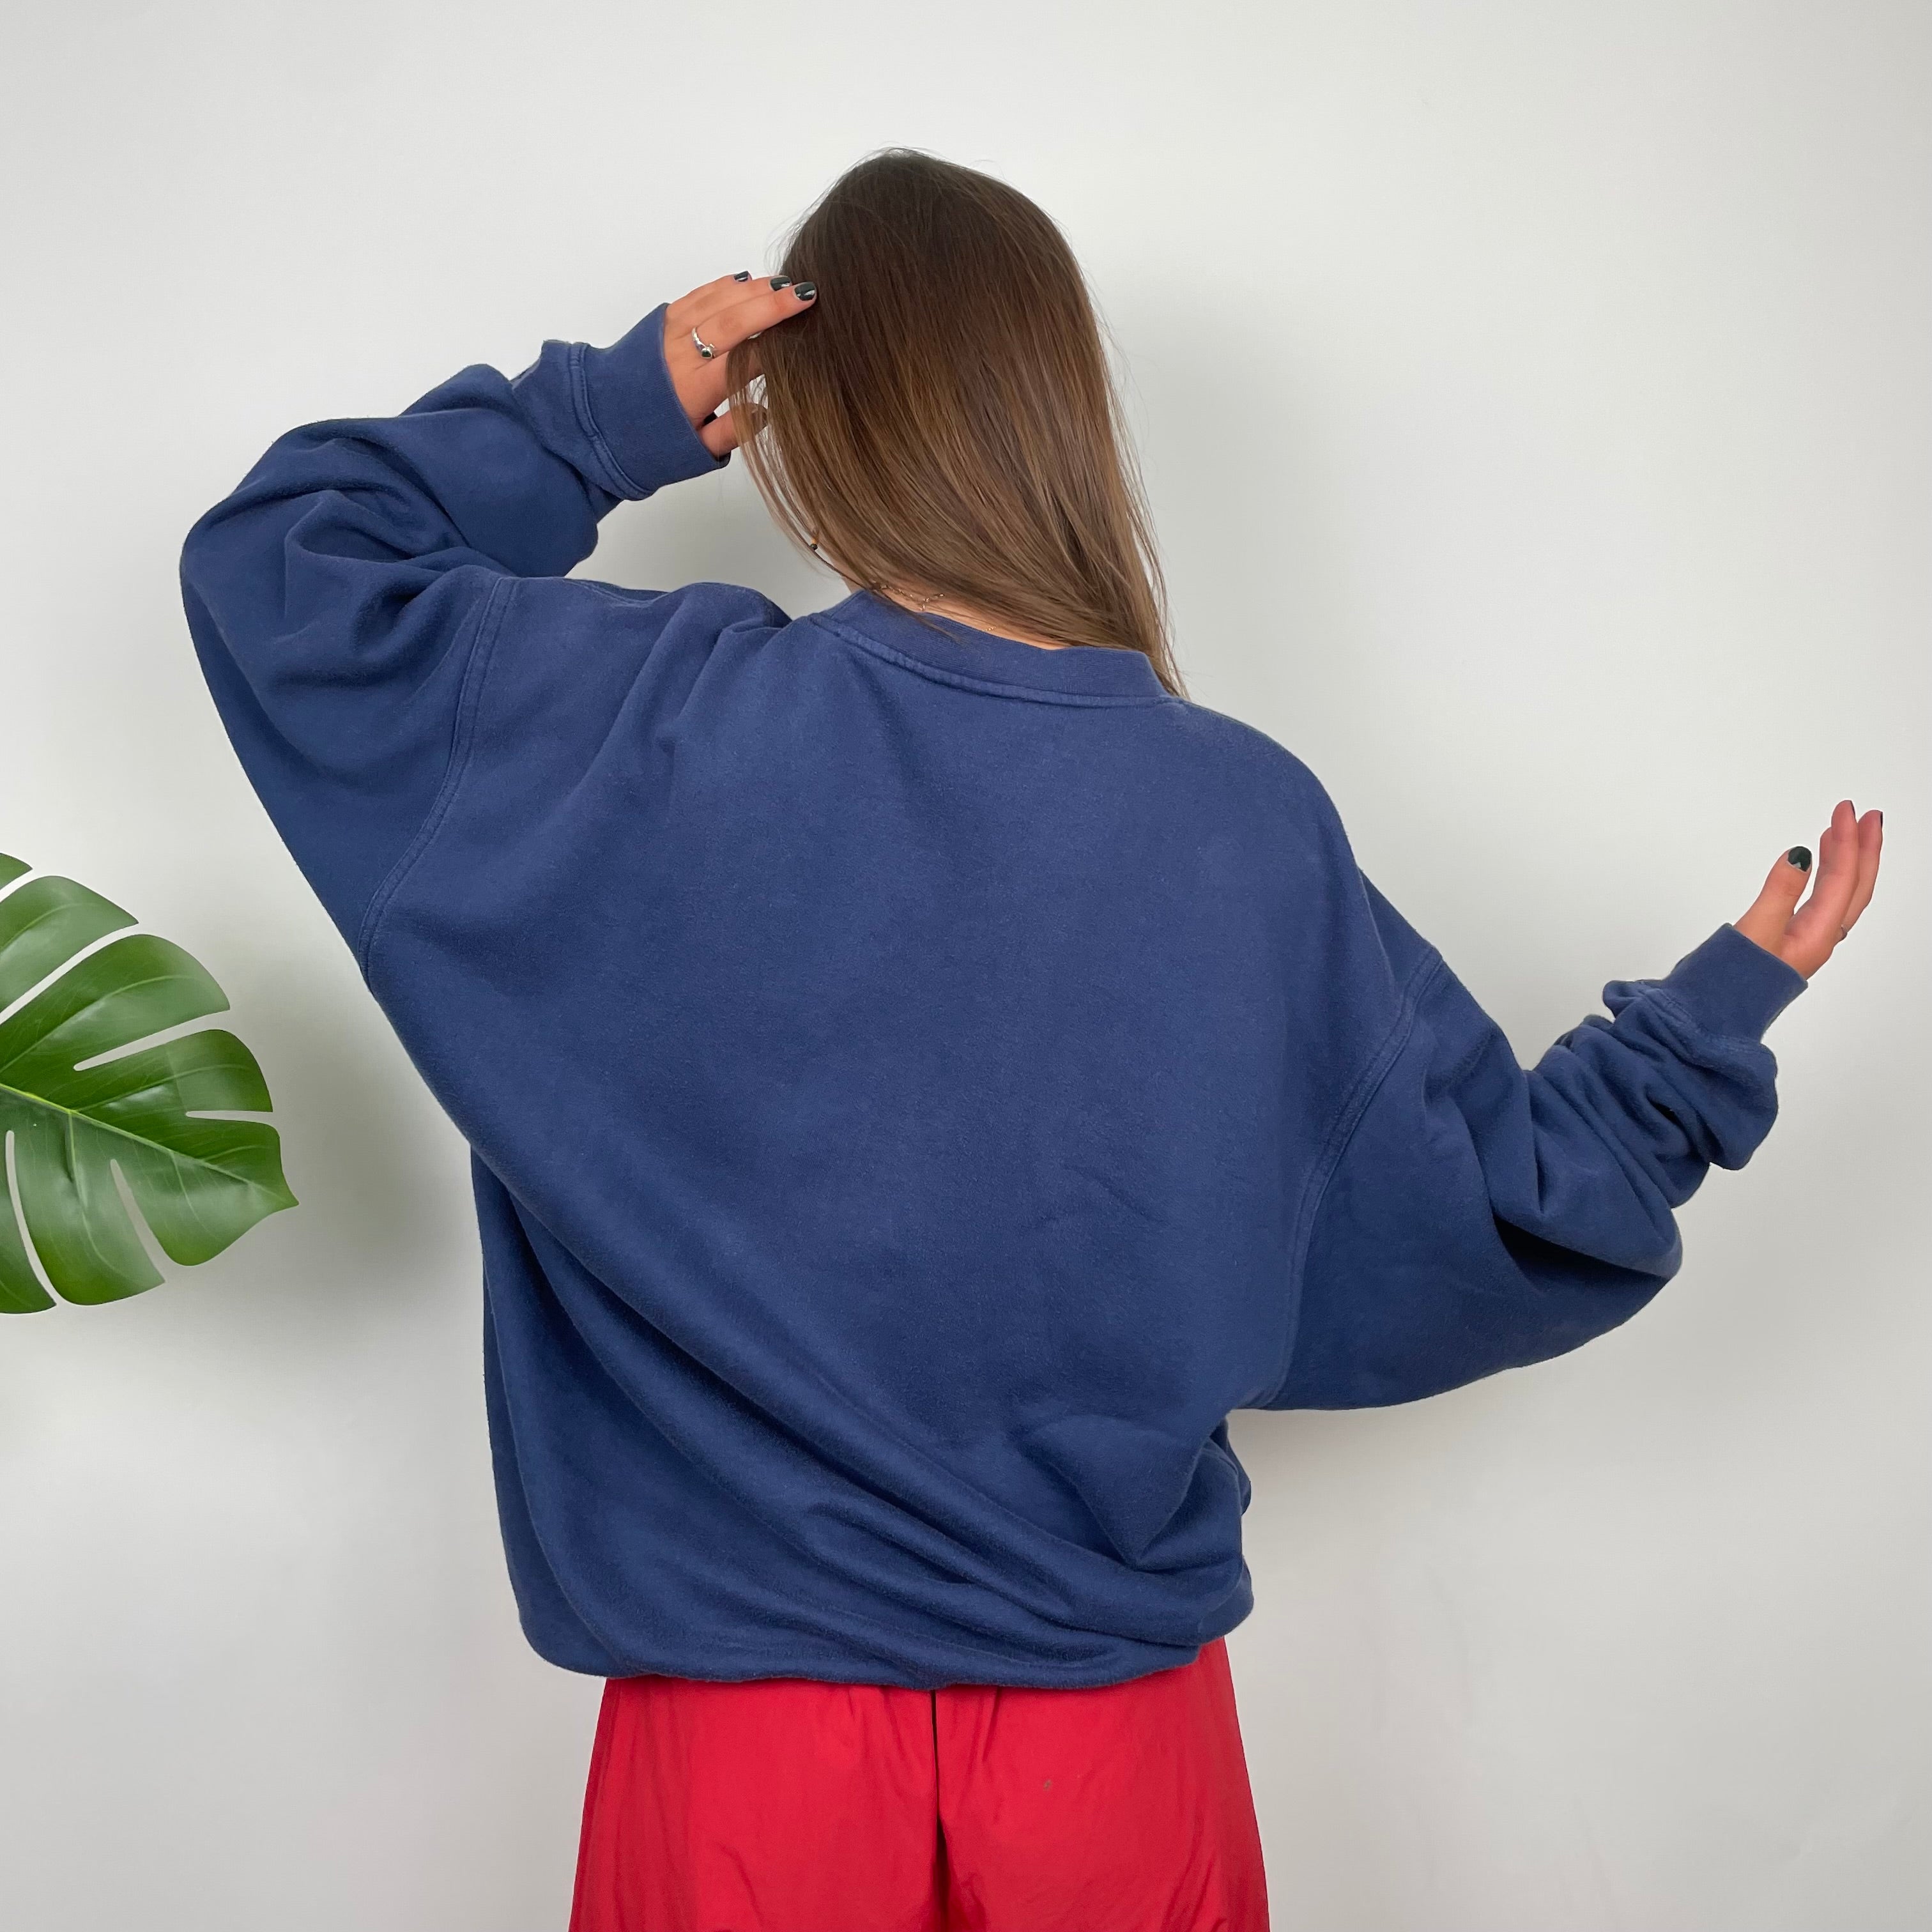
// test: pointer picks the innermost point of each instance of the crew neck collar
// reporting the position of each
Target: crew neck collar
(1090, 673)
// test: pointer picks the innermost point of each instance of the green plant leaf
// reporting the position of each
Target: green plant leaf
(69, 1117)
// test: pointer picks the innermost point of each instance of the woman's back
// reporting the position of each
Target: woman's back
(906, 1049)
(920, 1083)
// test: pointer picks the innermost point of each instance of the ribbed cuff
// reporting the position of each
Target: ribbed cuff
(633, 415)
(1733, 987)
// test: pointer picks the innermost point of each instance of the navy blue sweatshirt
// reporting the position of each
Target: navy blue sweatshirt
(919, 1083)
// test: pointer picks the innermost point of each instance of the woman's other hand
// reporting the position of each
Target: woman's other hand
(1803, 936)
(720, 315)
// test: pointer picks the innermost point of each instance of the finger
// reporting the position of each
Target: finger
(1771, 911)
(1820, 920)
(1871, 843)
(688, 365)
(737, 311)
(728, 317)
(742, 319)
(708, 296)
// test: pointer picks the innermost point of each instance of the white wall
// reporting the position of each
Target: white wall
(1536, 403)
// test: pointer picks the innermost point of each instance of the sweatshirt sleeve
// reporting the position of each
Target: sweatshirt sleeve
(337, 599)
(1478, 1215)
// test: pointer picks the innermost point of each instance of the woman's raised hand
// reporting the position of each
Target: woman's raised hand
(1803, 936)
(720, 315)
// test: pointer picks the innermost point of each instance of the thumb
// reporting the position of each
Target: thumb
(726, 428)
(1771, 911)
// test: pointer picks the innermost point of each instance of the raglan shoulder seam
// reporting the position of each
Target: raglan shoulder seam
(487, 625)
(1427, 969)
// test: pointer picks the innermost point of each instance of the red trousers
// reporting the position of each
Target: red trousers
(788, 1805)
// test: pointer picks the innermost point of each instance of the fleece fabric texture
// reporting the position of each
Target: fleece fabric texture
(919, 1083)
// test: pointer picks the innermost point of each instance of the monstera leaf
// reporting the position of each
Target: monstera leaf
(74, 1107)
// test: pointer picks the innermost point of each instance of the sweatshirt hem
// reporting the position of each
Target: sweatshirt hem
(743, 1663)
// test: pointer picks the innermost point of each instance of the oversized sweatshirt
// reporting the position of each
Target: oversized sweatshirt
(919, 1083)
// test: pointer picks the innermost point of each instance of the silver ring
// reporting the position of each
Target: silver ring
(703, 347)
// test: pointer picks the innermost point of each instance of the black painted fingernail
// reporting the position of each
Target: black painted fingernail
(742, 275)
(806, 291)
(782, 281)
(1800, 856)
(1880, 817)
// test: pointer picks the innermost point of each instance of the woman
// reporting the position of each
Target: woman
(923, 1074)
